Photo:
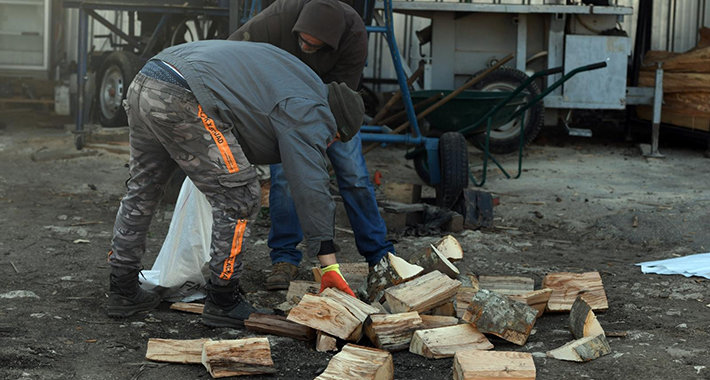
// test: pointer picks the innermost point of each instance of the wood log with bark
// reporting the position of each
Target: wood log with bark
(225, 358)
(390, 271)
(444, 342)
(392, 332)
(432, 260)
(582, 321)
(450, 248)
(496, 314)
(582, 350)
(422, 294)
(359, 363)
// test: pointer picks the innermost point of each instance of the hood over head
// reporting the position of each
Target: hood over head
(322, 19)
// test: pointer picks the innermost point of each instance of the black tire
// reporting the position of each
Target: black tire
(506, 139)
(453, 159)
(114, 77)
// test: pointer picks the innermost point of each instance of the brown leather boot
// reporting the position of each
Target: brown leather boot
(281, 276)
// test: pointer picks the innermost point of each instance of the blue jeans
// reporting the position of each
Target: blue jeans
(358, 197)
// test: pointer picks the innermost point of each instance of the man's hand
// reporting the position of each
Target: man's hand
(331, 278)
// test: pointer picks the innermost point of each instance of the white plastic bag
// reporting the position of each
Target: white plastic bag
(182, 268)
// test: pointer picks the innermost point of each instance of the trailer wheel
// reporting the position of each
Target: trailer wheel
(453, 159)
(506, 138)
(115, 75)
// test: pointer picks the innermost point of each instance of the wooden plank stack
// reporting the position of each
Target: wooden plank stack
(686, 87)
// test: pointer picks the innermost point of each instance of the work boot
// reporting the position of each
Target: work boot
(281, 276)
(126, 297)
(225, 306)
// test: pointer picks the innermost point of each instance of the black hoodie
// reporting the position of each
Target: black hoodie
(335, 23)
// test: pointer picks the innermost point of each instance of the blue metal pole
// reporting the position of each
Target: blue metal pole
(81, 75)
(401, 77)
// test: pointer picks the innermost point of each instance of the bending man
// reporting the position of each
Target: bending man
(330, 37)
(214, 108)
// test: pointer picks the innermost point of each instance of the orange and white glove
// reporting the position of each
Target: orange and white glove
(332, 278)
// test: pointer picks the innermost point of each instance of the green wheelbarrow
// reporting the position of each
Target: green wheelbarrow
(480, 112)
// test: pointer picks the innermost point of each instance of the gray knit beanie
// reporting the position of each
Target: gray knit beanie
(347, 108)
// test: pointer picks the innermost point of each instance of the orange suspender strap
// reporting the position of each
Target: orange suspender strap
(220, 141)
(228, 268)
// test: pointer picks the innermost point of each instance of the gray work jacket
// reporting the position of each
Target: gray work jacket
(278, 108)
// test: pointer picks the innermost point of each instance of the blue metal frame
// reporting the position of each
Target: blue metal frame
(381, 134)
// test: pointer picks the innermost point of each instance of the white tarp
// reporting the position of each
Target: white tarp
(692, 265)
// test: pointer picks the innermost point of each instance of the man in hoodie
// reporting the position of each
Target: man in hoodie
(329, 36)
(214, 108)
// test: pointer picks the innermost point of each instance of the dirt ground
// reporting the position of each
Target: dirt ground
(572, 210)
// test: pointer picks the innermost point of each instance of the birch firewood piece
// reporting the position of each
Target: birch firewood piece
(496, 314)
(582, 350)
(175, 350)
(278, 325)
(434, 321)
(567, 286)
(326, 342)
(422, 294)
(194, 308)
(432, 260)
(325, 314)
(469, 287)
(390, 271)
(507, 285)
(444, 342)
(239, 357)
(450, 248)
(537, 299)
(582, 321)
(359, 363)
(392, 332)
(491, 365)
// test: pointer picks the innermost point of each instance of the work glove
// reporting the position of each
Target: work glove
(332, 278)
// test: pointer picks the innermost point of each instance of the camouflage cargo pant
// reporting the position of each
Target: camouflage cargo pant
(168, 128)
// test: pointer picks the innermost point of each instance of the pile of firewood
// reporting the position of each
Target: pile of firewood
(425, 306)
(686, 85)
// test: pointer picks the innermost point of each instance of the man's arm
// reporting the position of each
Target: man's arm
(304, 129)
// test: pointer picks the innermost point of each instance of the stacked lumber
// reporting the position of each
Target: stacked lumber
(486, 365)
(444, 342)
(359, 363)
(590, 340)
(225, 358)
(496, 314)
(686, 87)
(392, 332)
(567, 286)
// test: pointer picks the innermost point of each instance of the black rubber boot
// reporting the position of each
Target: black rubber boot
(126, 297)
(225, 306)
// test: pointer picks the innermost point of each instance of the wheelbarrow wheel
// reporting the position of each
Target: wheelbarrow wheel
(506, 138)
(115, 75)
(453, 159)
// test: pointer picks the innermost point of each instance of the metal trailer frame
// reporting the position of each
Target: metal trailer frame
(88, 9)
